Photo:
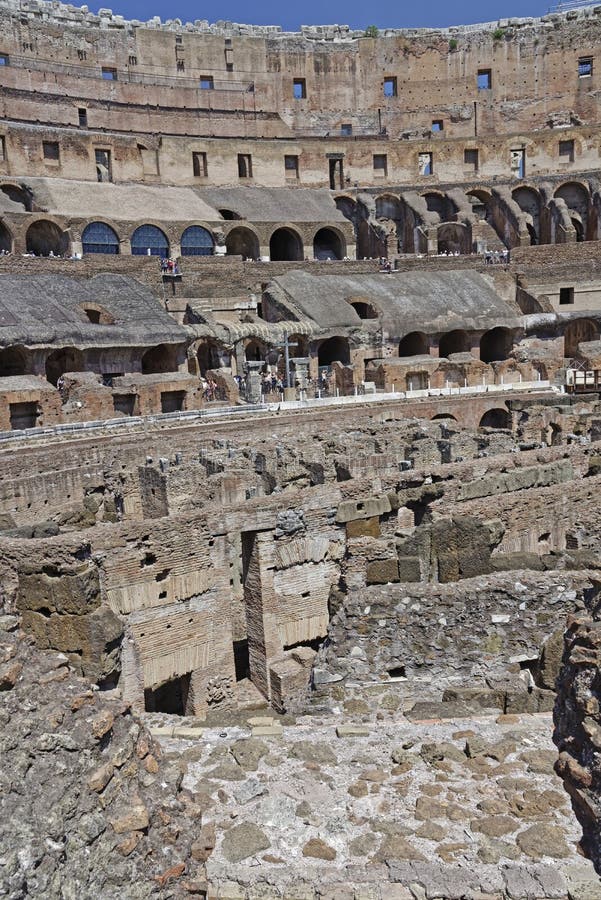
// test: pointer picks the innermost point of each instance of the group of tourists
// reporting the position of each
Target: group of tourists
(496, 257)
(169, 267)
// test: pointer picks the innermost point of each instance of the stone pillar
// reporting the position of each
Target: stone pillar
(300, 365)
(253, 381)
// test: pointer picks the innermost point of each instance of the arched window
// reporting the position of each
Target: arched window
(99, 238)
(197, 241)
(149, 238)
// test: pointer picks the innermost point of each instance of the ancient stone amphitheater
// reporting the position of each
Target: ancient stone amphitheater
(300, 460)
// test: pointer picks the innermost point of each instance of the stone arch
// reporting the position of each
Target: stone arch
(496, 418)
(13, 361)
(436, 203)
(100, 237)
(388, 206)
(363, 308)
(496, 344)
(416, 343)
(529, 201)
(456, 341)
(197, 240)
(159, 359)
(480, 200)
(210, 355)
(285, 244)
(255, 350)
(442, 417)
(576, 196)
(6, 239)
(579, 331)
(454, 237)
(97, 314)
(242, 241)
(149, 237)
(67, 359)
(328, 243)
(334, 349)
(44, 237)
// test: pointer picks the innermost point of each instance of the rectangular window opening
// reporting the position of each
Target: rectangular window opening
(180, 65)
(585, 67)
(23, 415)
(437, 125)
(109, 74)
(132, 60)
(199, 164)
(380, 164)
(484, 79)
(390, 86)
(51, 151)
(566, 150)
(299, 88)
(336, 173)
(172, 401)
(4, 59)
(291, 166)
(245, 168)
(82, 116)
(2, 148)
(229, 67)
(124, 404)
(470, 158)
(346, 130)
(206, 83)
(566, 296)
(425, 164)
(103, 165)
(518, 163)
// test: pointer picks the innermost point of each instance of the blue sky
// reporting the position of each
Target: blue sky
(291, 15)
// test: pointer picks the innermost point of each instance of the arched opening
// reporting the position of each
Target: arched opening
(19, 195)
(255, 351)
(162, 358)
(6, 240)
(453, 238)
(529, 201)
(416, 343)
(454, 342)
(388, 207)
(148, 240)
(364, 309)
(576, 198)
(211, 355)
(552, 435)
(67, 359)
(242, 242)
(327, 244)
(496, 418)
(98, 237)
(335, 349)
(495, 345)
(443, 417)
(197, 241)
(579, 332)
(44, 238)
(13, 361)
(479, 201)
(229, 215)
(285, 244)
(97, 314)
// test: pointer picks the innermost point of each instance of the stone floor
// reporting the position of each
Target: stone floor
(395, 810)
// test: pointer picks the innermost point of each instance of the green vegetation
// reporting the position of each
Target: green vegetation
(453, 44)
(372, 31)
(498, 34)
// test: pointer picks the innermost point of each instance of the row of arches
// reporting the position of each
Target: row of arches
(495, 344)
(534, 203)
(45, 238)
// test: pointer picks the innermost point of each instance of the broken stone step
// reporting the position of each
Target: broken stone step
(343, 731)
(267, 731)
(188, 733)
